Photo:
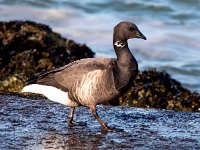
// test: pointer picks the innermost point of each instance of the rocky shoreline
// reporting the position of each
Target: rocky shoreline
(28, 48)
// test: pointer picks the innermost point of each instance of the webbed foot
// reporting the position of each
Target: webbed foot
(109, 129)
(72, 123)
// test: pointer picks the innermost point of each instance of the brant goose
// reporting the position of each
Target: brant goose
(92, 81)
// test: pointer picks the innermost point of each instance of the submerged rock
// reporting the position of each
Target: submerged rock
(27, 48)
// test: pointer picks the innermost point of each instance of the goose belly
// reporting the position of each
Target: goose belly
(96, 87)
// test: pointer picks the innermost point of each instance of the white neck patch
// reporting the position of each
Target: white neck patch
(119, 44)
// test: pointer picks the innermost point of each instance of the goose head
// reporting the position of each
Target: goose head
(126, 30)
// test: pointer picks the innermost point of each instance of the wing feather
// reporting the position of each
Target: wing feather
(64, 77)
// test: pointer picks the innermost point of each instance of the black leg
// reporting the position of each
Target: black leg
(103, 125)
(70, 119)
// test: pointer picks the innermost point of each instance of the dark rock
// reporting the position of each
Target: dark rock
(28, 48)
(154, 89)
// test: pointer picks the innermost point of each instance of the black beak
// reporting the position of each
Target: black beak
(140, 35)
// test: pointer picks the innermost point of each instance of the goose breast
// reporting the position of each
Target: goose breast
(94, 88)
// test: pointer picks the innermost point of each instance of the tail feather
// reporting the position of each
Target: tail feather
(31, 80)
(37, 77)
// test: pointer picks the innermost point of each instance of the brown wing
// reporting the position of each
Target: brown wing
(64, 77)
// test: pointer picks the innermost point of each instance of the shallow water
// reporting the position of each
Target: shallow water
(172, 29)
(40, 124)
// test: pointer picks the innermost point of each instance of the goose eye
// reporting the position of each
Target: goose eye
(131, 29)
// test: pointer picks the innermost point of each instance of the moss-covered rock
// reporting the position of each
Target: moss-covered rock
(154, 89)
(28, 48)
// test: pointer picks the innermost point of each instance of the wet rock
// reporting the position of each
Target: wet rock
(28, 48)
(41, 124)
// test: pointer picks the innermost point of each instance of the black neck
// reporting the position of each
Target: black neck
(127, 66)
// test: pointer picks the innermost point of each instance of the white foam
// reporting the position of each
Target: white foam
(50, 92)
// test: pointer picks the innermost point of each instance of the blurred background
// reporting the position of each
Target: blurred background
(172, 28)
